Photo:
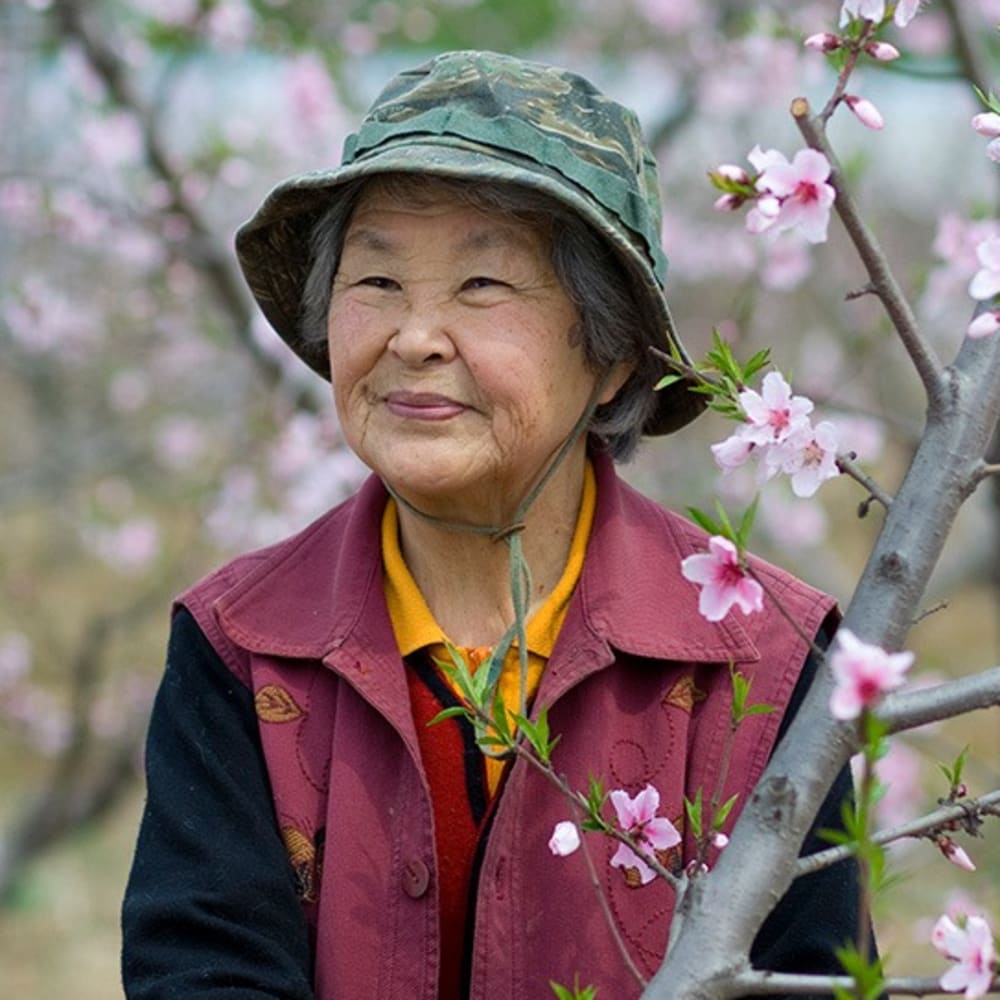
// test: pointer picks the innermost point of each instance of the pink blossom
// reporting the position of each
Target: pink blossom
(823, 41)
(732, 172)
(987, 124)
(734, 451)
(993, 150)
(865, 111)
(970, 945)
(906, 11)
(723, 581)
(804, 197)
(651, 833)
(867, 10)
(882, 51)
(774, 413)
(810, 458)
(863, 673)
(565, 839)
(719, 840)
(786, 262)
(986, 281)
(984, 325)
(955, 854)
(728, 202)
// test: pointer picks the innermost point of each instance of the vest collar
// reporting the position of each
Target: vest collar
(308, 596)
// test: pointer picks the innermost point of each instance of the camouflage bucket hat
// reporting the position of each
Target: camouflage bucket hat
(483, 115)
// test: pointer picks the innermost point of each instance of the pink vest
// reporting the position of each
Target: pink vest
(638, 687)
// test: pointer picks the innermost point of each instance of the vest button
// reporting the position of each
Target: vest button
(416, 878)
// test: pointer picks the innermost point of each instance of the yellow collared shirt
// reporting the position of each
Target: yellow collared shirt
(415, 627)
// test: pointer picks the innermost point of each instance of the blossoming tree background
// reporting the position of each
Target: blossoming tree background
(152, 425)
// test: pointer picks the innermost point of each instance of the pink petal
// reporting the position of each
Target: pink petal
(699, 568)
(714, 603)
(984, 325)
(565, 839)
(624, 808)
(749, 596)
(661, 834)
(645, 804)
(987, 124)
(811, 165)
(625, 857)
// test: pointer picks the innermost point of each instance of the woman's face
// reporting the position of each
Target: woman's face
(456, 369)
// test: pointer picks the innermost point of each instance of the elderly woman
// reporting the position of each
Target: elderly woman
(481, 280)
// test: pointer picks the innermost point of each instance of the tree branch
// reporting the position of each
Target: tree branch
(922, 826)
(883, 282)
(760, 983)
(908, 709)
(211, 258)
(847, 465)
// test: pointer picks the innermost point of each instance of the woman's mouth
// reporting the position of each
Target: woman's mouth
(423, 406)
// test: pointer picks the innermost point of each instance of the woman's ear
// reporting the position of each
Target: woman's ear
(614, 380)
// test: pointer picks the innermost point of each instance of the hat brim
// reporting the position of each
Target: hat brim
(273, 246)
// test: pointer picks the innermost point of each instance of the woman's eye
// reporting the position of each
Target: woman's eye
(482, 281)
(378, 281)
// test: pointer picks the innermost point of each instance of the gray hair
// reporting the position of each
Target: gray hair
(612, 328)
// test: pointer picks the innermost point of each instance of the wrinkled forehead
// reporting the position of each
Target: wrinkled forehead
(479, 219)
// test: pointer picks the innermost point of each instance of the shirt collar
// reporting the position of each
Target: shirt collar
(414, 623)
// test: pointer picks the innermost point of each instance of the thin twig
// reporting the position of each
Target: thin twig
(920, 827)
(762, 983)
(988, 469)
(903, 710)
(209, 257)
(771, 596)
(847, 465)
(900, 313)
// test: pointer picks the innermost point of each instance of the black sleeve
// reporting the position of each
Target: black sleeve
(210, 910)
(819, 913)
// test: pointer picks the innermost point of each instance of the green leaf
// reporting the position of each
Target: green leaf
(722, 813)
(693, 811)
(761, 709)
(746, 523)
(728, 531)
(668, 380)
(757, 361)
(449, 713)
(704, 521)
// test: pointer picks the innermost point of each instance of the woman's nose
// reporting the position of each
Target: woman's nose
(423, 334)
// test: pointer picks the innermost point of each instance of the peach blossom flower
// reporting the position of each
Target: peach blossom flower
(863, 673)
(723, 581)
(970, 945)
(651, 833)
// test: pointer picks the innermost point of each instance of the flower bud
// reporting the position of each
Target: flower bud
(728, 203)
(882, 51)
(733, 172)
(988, 124)
(865, 111)
(565, 839)
(823, 41)
(984, 325)
(955, 854)
(719, 839)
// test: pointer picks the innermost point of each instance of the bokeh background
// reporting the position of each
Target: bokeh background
(152, 425)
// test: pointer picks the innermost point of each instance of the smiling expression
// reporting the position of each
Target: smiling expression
(457, 368)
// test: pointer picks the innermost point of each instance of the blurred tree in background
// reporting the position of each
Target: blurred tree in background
(152, 424)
